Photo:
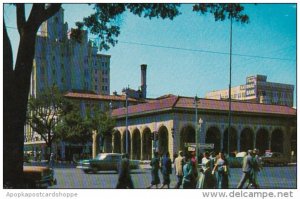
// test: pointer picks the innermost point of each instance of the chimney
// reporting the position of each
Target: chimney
(143, 80)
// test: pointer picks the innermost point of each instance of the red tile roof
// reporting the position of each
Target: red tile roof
(88, 96)
(221, 105)
(157, 105)
(204, 104)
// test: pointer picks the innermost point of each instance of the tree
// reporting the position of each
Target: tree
(102, 122)
(16, 78)
(74, 128)
(46, 112)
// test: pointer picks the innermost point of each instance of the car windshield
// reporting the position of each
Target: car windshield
(101, 156)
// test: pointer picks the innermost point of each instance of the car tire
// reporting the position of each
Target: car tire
(86, 171)
(94, 170)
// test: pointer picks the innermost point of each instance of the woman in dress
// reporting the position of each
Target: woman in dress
(206, 180)
(221, 167)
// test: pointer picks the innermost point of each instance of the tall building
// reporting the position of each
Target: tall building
(258, 90)
(67, 63)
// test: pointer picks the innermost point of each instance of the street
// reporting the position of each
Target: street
(269, 178)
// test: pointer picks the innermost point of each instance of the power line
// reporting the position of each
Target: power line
(205, 51)
(189, 49)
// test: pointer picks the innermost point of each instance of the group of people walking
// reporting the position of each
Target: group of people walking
(213, 174)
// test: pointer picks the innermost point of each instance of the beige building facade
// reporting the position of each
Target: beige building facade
(172, 122)
(258, 90)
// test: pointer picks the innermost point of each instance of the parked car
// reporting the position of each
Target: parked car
(105, 162)
(38, 177)
(274, 159)
(237, 161)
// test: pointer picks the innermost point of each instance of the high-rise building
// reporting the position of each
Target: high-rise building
(67, 63)
(258, 90)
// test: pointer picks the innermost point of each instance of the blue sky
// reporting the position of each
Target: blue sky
(271, 33)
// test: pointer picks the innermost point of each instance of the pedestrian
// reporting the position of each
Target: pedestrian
(221, 168)
(206, 179)
(188, 173)
(247, 169)
(257, 166)
(154, 171)
(51, 161)
(34, 155)
(194, 162)
(124, 180)
(166, 170)
(178, 166)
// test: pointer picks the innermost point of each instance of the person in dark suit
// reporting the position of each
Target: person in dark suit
(166, 170)
(124, 180)
(247, 170)
(154, 171)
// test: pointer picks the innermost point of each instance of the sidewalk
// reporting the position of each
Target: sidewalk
(58, 164)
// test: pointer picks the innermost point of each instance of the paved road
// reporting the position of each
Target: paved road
(269, 177)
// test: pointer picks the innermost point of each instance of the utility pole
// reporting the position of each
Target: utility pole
(196, 127)
(230, 63)
(126, 120)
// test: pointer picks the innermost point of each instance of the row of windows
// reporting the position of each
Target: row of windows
(104, 88)
(105, 80)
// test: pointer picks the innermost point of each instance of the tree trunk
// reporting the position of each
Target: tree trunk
(15, 97)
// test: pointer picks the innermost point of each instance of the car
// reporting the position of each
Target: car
(38, 177)
(274, 159)
(105, 162)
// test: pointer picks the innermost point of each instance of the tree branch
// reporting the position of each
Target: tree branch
(7, 54)
(50, 11)
(21, 20)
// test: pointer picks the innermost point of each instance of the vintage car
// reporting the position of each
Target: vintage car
(38, 177)
(105, 162)
(274, 159)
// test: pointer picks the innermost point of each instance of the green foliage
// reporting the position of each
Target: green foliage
(100, 121)
(74, 128)
(55, 118)
(221, 11)
(44, 112)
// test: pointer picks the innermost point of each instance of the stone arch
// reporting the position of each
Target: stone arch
(277, 139)
(147, 144)
(108, 143)
(136, 144)
(163, 140)
(294, 142)
(262, 140)
(116, 141)
(213, 135)
(246, 139)
(128, 142)
(232, 140)
(187, 135)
